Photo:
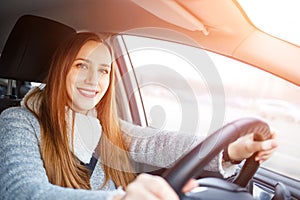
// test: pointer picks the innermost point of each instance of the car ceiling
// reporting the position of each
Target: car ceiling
(229, 30)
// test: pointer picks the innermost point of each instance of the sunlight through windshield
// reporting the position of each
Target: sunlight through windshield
(279, 18)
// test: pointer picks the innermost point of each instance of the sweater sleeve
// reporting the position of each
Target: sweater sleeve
(22, 175)
(162, 148)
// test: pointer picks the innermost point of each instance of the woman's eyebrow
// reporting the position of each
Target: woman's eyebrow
(105, 65)
(88, 61)
(83, 59)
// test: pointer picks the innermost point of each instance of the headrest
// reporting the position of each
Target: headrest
(29, 48)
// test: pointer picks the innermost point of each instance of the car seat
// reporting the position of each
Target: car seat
(27, 54)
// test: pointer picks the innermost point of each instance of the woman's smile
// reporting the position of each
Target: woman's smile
(89, 93)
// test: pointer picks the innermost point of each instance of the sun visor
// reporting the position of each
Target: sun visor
(174, 13)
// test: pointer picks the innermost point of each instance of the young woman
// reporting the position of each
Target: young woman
(48, 144)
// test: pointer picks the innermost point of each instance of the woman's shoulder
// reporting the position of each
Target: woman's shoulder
(19, 117)
(17, 112)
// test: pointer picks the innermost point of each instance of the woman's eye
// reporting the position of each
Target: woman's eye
(104, 71)
(82, 65)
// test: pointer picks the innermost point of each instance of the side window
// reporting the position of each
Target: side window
(172, 85)
(184, 88)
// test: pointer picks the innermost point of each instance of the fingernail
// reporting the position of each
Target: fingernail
(274, 144)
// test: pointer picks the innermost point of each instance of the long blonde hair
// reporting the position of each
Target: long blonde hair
(62, 166)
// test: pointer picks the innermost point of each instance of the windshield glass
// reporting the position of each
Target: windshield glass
(279, 18)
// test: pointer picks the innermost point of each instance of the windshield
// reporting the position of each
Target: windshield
(276, 17)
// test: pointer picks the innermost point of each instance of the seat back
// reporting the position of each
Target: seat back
(27, 54)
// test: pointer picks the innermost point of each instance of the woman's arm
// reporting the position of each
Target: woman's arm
(22, 175)
(162, 148)
(156, 147)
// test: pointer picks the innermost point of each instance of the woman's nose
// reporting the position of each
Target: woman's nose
(92, 77)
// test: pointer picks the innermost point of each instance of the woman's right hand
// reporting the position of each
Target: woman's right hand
(148, 187)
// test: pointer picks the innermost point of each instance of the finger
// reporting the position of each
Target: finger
(140, 188)
(273, 133)
(263, 159)
(138, 194)
(190, 185)
(264, 145)
(159, 187)
(274, 143)
(267, 152)
(264, 154)
(163, 189)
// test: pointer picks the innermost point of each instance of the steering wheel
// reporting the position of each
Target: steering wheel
(193, 163)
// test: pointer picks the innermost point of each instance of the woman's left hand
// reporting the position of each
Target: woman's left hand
(245, 146)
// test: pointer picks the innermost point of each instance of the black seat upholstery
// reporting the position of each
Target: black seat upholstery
(27, 52)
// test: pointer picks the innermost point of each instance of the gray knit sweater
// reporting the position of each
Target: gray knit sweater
(23, 176)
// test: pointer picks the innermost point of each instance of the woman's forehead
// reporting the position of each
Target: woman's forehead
(95, 51)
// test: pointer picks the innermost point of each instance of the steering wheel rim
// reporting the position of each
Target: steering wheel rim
(194, 162)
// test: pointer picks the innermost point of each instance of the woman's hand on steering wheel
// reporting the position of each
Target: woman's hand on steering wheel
(148, 187)
(245, 146)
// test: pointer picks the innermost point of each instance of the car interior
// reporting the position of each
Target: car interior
(27, 53)
(30, 32)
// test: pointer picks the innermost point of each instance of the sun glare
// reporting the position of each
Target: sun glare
(279, 18)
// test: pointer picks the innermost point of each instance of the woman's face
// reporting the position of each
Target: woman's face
(89, 76)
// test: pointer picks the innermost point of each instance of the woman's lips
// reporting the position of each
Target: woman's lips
(88, 93)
